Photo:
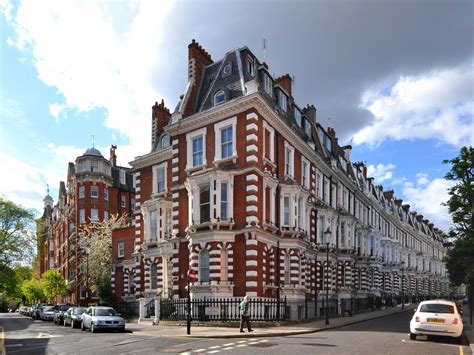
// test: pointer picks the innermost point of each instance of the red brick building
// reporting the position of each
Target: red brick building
(242, 185)
(95, 189)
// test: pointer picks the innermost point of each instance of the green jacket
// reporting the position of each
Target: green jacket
(244, 308)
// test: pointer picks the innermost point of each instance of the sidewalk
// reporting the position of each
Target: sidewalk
(284, 330)
(468, 328)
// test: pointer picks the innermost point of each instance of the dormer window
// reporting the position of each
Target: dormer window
(267, 84)
(251, 66)
(282, 101)
(298, 117)
(307, 127)
(227, 70)
(219, 97)
(122, 177)
(165, 141)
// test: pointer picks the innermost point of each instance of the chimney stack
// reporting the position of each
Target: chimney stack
(285, 82)
(198, 58)
(310, 112)
(113, 156)
(388, 194)
(160, 116)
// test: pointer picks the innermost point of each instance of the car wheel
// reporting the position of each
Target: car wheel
(93, 329)
(82, 326)
(412, 336)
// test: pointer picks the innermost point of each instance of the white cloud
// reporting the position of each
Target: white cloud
(55, 110)
(22, 183)
(381, 172)
(426, 197)
(438, 105)
(97, 54)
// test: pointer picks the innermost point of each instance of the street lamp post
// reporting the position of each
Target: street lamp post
(327, 236)
(316, 282)
(403, 289)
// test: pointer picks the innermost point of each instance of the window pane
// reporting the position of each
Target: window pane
(286, 210)
(161, 179)
(226, 142)
(298, 117)
(204, 266)
(153, 276)
(197, 151)
(224, 201)
(204, 198)
(153, 225)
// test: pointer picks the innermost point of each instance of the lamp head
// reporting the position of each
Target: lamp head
(327, 236)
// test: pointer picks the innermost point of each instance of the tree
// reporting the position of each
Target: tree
(16, 234)
(32, 290)
(53, 284)
(460, 258)
(96, 245)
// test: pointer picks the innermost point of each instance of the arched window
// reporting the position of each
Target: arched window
(204, 266)
(153, 276)
(219, 97)
(131, 282)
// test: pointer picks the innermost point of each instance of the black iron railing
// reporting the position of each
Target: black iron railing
(150, 309)
(223, 309)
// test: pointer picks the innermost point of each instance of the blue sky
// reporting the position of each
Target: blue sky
(396, 84)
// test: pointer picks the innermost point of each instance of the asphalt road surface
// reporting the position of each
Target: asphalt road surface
(387, 335)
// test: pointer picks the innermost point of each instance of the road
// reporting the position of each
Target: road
(381, 336)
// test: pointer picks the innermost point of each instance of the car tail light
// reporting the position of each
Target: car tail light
(417, 319)
(455, 321)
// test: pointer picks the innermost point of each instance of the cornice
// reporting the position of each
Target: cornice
(151, 158)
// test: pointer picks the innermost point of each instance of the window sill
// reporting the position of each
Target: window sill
(232, 158)
(191, 169)
(159, 194)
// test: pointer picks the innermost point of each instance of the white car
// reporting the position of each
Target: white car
(96, 318)
(437, 317)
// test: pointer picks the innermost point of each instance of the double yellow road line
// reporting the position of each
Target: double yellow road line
(2, 342)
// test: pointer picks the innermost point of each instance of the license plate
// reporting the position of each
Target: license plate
(435, 320)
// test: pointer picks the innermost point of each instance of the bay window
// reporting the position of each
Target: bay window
(204, 203)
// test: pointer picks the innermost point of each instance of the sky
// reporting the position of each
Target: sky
(394, 78)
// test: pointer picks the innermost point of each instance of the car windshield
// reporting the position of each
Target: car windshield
(437, 308)
(105, 312)
(79, 310)
(47, 308)
(64, 307)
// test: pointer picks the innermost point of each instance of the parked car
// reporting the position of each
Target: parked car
(35, 312)
(59, 311)
(437, 317)
(73, 316)
(47, 312)
(97, 318)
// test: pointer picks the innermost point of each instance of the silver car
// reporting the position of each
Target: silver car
(47, 313)
(96, 318)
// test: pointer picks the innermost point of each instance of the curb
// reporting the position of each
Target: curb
(288, 333)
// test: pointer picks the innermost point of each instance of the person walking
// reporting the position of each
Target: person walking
(244, 314)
